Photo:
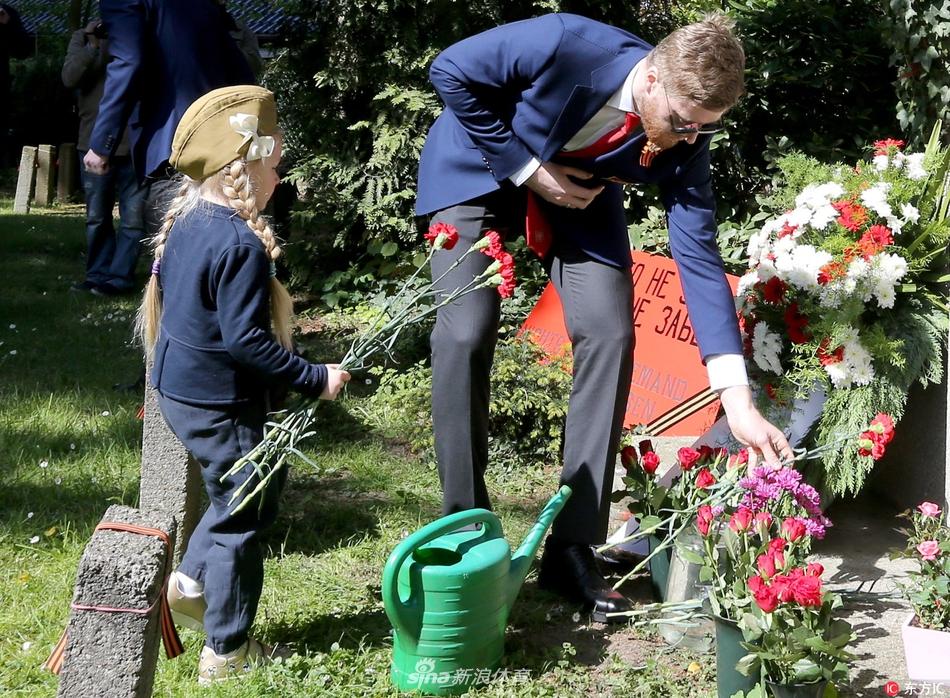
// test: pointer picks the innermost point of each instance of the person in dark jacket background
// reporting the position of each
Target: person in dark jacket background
(110, 256)
(15, 42)
(164, 55)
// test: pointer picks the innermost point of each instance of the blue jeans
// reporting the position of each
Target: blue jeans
(111, 257)
(225, 550)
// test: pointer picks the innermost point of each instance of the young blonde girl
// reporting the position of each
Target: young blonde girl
(215, 323)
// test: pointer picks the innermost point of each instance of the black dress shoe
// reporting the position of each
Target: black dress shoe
(569, 570)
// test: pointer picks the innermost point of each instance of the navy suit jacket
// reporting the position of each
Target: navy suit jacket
(215, 345)
(164, 55)
(523, 90)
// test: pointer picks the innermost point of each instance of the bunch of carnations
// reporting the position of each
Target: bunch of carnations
(928, 544)
(413, 304)
(756, 562)
(844, 290)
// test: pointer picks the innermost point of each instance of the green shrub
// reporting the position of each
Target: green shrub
(529, 397)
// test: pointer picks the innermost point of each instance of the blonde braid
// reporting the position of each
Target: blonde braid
(149, 315)
(240, 194)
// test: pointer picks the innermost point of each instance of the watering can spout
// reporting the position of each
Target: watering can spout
(522, 558)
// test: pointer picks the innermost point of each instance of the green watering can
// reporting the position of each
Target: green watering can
(448, 594)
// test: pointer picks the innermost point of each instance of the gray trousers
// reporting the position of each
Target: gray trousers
(597, 301)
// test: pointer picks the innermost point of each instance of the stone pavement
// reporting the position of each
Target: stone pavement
(855, 556)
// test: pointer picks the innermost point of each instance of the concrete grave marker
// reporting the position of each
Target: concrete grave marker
(109, 653)
(171, 479)
(45, 175)
(25, 180)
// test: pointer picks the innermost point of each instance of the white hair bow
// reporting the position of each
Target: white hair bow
(246, 125)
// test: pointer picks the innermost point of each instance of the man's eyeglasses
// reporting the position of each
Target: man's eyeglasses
(689, 128)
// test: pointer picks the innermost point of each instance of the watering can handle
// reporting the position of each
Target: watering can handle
(394, 607)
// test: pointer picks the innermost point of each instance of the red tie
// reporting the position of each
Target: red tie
(537, 229)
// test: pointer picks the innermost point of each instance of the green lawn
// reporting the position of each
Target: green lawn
(70, 447)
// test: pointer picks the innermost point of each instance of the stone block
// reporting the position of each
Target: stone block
(25, 180)
(45, 175)
(66, 183)
(170, 478)
(108, 653)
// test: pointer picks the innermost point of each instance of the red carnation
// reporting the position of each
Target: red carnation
(796, 323)
(688, 457)
(705, 479)
(449, 233)
(883, 424)
(650, 462)
(773, 290)
(814, 569)
(882, 147)
(826, 358)
(495, 246)
(851, 215)
(776, 545)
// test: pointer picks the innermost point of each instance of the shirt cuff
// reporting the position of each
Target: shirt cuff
(522, 175)
(726, 370)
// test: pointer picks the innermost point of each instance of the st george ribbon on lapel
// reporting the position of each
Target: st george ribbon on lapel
(537, 229)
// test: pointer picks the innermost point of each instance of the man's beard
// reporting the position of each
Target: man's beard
(657, 128)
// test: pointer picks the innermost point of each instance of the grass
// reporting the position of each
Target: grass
(70, 446)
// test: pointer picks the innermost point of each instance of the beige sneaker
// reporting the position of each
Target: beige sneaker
(187, 610)
(213, 668)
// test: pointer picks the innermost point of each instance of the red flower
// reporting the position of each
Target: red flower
(851, 215)
(795, 323)
(766, 566)
(650, 462)
(688, 457)
(495, 246)
(628, 457)
(646, 446)
(704, 517)
(881, 147)
(507, 271)
(449, 233)
(806, 590)
(793, 529)
(814, 569)
(705, 479)
(776, 545)
(706, 452)
(782, 586)
(786, 231)
(826, 359)
(740, 458)
(763, 521)
(765, 597)
(741, 521)
(883, 424)
(830, 272)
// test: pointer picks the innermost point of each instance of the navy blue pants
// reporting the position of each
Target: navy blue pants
(225, 551)
(111, 256)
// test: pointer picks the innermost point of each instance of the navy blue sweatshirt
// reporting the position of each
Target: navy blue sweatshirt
(215, 345)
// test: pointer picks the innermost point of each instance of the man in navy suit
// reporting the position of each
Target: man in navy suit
(549, 116)
(164, 55)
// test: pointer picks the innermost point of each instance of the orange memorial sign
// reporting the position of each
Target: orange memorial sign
(667, 368)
